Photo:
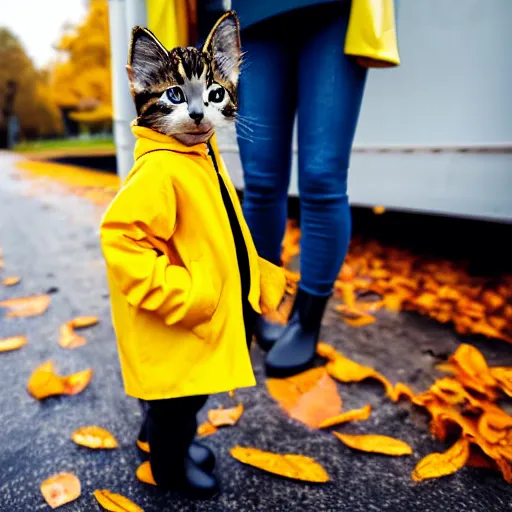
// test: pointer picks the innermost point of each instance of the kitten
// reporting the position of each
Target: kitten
(185, 92)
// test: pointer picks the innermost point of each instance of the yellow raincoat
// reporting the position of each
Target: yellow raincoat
(173, 274)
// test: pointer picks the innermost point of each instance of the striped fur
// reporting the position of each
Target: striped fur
(204, 82)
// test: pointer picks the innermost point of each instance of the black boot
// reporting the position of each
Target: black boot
(295, 349)
(266, 333)
(198, 452)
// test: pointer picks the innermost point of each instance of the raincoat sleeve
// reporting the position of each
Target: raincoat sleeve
(141, 218)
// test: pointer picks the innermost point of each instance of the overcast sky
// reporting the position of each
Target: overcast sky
(38, 23)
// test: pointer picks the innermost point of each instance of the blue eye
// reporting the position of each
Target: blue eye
(175, 95)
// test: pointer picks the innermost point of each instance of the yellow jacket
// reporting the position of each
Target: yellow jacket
(173, 274)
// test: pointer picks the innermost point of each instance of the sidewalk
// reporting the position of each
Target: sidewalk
(50, 239)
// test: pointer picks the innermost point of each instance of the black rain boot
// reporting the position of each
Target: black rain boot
(295, 349)
(198, 452)
(266, 332)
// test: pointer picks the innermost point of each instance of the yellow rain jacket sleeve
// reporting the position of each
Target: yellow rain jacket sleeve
(173, 275)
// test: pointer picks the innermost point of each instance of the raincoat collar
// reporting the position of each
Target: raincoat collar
(149, 140)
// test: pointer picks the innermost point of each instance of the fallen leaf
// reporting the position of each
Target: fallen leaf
(81, 322)
(12, 343)
(473, 364)
(354, 415)
(69, 338)
(26, 306)
(400, 390)
(206, 429)
(94, 437)
(325, 350)
(361, 321)
(375, 443)
(222, 417)
(436, 465)
(144, 473)
(60, 489)
(44, 382)
(11, 281)
(115, 502)
(297, 467)
(309, 397)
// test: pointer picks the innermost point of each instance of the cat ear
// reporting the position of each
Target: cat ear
(223, 45)
(147, 59)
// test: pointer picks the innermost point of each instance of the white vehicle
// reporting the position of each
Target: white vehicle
(435, 134)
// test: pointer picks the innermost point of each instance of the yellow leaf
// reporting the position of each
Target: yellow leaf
(11, 281)
(325, 350)
(375, 443)
(473, 364)
(60, 489)
(26, 306)
(297, 467)
(144, 473)
(309, 397)
(13, 343)
(115, 502)
(44, 382)
(206, 429)
(69, 339)
(361, 321)
(83, 321)
(94, 437)
(354, 415)
(436, 465)
(400, 390)
(221, 417)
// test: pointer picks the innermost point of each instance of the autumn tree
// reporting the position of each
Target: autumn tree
(81, 81)
(37, 114)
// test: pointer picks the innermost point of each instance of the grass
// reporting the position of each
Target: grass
(104, 143)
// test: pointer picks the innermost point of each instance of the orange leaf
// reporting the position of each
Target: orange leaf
(309, 397)
(473, 364)
(354, 415)
(76, 383)
(13, 343)
(69, 339)
(297, 467)
(83, 321)
(26, 306)
(400, 390)
(206, 429)
(378, 210)
(44, 383)
(115, 502)
(11, 281)
(436, 465)
(145, 474)
(94, 437)
(361, 321)
(503, 376)
(325, 350)
(375, 443)
(60, 489)
(221, 417)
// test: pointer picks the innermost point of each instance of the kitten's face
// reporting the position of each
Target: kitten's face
(186, 93)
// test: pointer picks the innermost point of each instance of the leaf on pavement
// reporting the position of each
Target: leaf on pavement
(221, 417)
(206, 429)
(310, 397)
(355, 415)
(69, 338)
(115, 502)
(11, 281)
(60, 489)
(436, 465)
(94, 437)
(297, 467)
(26, 306)
(12, 343)
(375, 443)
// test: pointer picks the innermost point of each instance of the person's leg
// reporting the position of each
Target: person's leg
(171, 428)
(331, 87)
(267, 105)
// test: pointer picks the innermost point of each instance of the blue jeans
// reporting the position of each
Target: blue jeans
(295, 63)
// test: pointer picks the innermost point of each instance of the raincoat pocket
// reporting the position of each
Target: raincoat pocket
(204, 299)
